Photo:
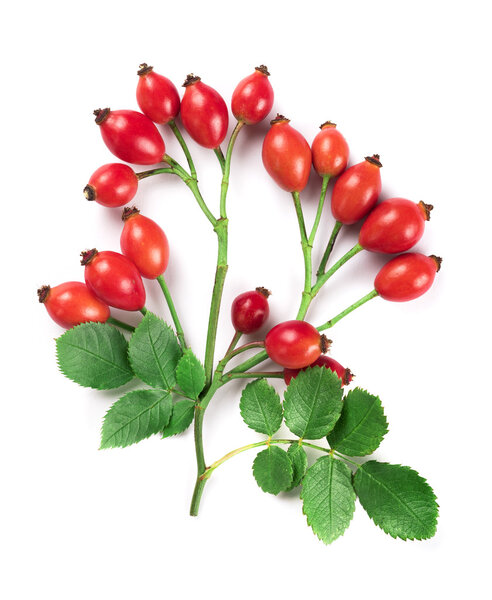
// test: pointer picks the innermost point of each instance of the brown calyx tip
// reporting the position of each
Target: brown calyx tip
(89, 193)
(279, 119)
(426, 209)
(191, 79)
(327, 124)
(437, 260)
(87, 256)
(324, 343)
(43, 292)
(263, 291)
(143, 69)
(347, 376)
(101, 115)
(374, 160)
(128, 212)
(263, 69)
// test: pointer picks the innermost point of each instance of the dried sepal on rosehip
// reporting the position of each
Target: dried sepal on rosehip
(330, 151)
(252, 100)
(157, 95)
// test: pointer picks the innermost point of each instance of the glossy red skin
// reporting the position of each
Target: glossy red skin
(115, 184)
(293, 344)
(249, 311)
(115, 280)
(287, 157)
(157, 97)
(204, 114)
(330, 152)
(146, 245)
(356, 192)
(252, 100)
(323, 361)
(132, 137)
(406, 277)
(72, 303)
(395, 225)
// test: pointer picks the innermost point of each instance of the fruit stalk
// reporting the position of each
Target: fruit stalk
(172, 309)
(372, 294)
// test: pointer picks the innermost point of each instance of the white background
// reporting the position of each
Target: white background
(409, 80)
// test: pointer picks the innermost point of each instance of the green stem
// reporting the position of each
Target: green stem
(322, 279)
(230, 355)
(250, 363)
(182, 143)
(329, 248)
(319, 212)
(306, 246)
(219, 154)
(253, 375)
(348, 310)
(227, 169)
(172, 310)
(235, 339)
(144, 174)
(120, 324)
(144, 310)
(352, 462)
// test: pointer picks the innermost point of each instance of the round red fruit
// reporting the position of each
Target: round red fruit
(112, 185)
(114, 279)
(157, 95)
(330, 151)
(144, 243)
(295, 344)
(252, 99)
(286, 155)
(72, 303)
(344, 374)
(395, 225)
(407, 276)
(250, 310)
(131, 136)
(204, 113)
(356, 191)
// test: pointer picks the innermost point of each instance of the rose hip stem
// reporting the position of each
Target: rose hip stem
(120, 324)
(329, 248)
(172, 309)
(184, 146)
(372, 294)
(220, 156)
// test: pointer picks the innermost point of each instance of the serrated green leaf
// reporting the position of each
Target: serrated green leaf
(298, 458)
(397, 499)
(261, 408)
(181, 418)
(154, 352)
(361, 426)
(94, 355)
(272, 470)
(190, 375)
(136, 416)
(313, 402)
(328, 498)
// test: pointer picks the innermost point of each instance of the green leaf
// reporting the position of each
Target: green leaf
(272, 470)
(328, 498)
(94, 355)
(190, 375)
(298, 459)
(362, 425)
(313, 402)
(136, 416)
(154, 352)
(260, 407)
(181, 418)
(397, 499)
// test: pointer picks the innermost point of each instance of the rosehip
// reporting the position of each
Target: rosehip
(144, 243)
(131, 136)
(114, 279)
(295, 344)
(252, 99)
(330, 151)
(157, 96)
(407, 276)
(395, 225)
(250, 310)
(344, 374)
(112, 185)
(356, 191)
(72, 303)
(286, 155)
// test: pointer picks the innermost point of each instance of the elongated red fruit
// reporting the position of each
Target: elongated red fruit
(295, 344)
(131, 136)
(344, 374)
(286, 155)
(157, 95)
(204, 113)
(252, 100)
(330, 151)
(112, 185)
(144, 243)
(407, 276)
(250, 310)
(395, 225)
(356, 191)
(72, 303)
(114, 279)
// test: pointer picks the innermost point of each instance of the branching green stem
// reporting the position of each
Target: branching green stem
(172, 310)
(120, 324)
(348, 310)
(253, 375)
(220, 156)
(329, 248)
(182, 143)
(307, 247)
(319, 212)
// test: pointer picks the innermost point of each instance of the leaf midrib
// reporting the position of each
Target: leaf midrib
(101, 358)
